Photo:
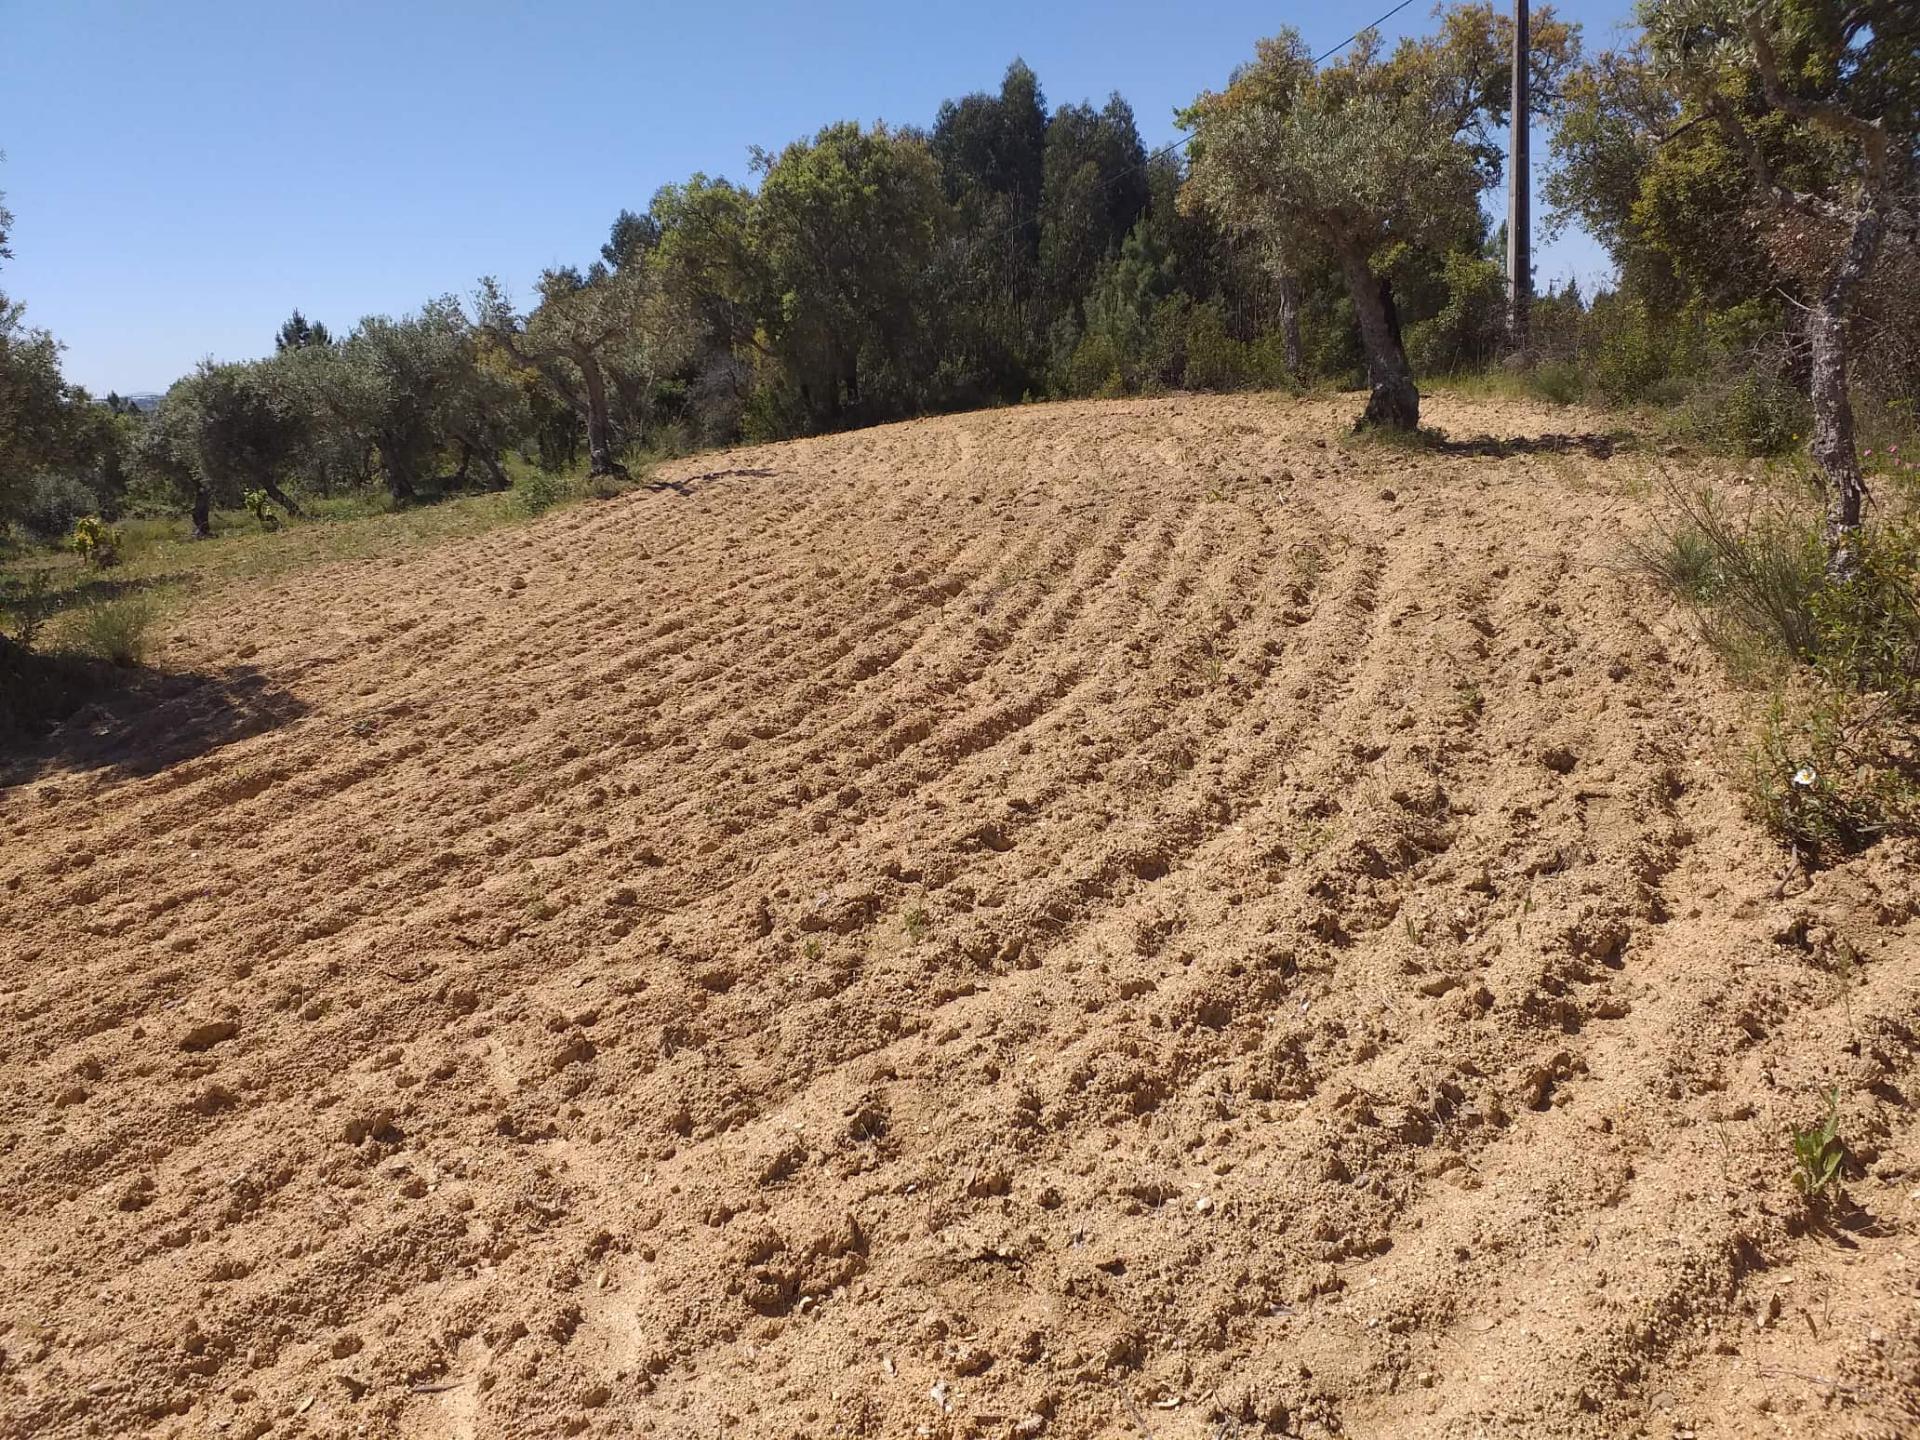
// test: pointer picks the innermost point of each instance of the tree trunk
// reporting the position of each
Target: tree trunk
(1832, 447)
(1394, 401)
(1287, 295)
(393, 459)
(489, 462)
(599, 421)
(277, 495)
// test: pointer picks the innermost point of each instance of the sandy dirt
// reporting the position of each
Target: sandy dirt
(1133, 919)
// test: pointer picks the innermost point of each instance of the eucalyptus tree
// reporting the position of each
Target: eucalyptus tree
(847, 225)
(991, 154)
(1094, 186)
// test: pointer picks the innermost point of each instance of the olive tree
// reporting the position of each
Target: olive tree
(1377, 151)
(592, 338)
(406, 390)
(226, 429)
(1842, 81)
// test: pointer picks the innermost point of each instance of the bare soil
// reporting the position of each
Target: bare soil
(1127, 919)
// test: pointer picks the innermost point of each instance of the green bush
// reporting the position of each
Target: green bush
(95, 542)
(1761, 415)
(117, 630)
(1836, 763)
(1556, 381)
(537, 492)
(1755, 576)
(29, 606)
(1470, 327)
(1094, 368)
(1214, 359)
(52, 503)
(1629, 359)
(1832, 770)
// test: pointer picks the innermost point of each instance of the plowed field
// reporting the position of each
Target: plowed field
(1125, 919)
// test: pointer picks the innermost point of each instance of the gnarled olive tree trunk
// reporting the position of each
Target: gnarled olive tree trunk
(598, 416)
(397, 460)
(1832, 446)
(266, 482)
(202, 511)
(1287, 298)
(1393, 402)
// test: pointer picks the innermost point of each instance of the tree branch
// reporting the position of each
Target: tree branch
(1870, 134)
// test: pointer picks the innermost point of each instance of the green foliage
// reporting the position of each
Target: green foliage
(95, 542)
(1555, 381)
(300, 334)
(30, 608)
(1818, 1154)
(1758, 415)
(52, 502)
(848, 224)
(1756, 574)
(117, 631)
(41, 418)
(1833, 771)
(1471, 327)
(538, 492)
(261, 508)
(1835, 765)
(1630, 356)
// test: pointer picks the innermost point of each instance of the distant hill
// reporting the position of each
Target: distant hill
(144, 402)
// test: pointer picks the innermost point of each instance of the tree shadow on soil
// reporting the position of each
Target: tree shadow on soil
(1598, 445)
(686, 486)
(94, 589)
(62, 713)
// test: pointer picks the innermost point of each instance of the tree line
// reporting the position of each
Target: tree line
(1749, 166)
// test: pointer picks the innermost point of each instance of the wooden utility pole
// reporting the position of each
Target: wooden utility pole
(1519, 193)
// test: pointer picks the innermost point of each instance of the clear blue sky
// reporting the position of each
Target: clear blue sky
(183, 175)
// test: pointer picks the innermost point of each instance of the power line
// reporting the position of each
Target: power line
(1363, 30)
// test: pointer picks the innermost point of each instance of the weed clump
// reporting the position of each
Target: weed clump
(1818, 1155)
(117, 631)
(537, 492)
(1835, 764)
(261, 508)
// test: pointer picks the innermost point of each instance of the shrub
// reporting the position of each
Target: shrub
(262, 509)
(1214, 359)
(537, 492)
(1832, 771)
(1094, 368)
(1629, 359)
(1555, 381)
(53, 502)
(1756, 414)
(1471, 326)
(95, 542)
(30, 608)
(116, 631)
(1755, 576)
(1835, 765)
